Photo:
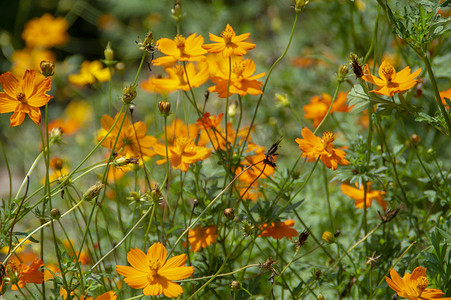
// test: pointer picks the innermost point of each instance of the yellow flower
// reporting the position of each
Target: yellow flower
(279, 230)
(327, 236)
(200, 237)
(413, 286)
(46, 31)
(30, 58)
(180, 49)
(24, 96)
(127, 144)
(358, 195)
(153, 273)
(90, 73)
(229, 43)
(314, 147)
(390, 81)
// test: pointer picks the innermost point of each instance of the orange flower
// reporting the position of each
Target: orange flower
(45, 31)
(200, 237)
(208, 121)
(445, 94)
(413, 286)
(50, 271)
(242, 82)
(24, 96)
(358, 195)
(153, 273)
(391, 82)
(323, 148)
(90, 73)
(183, 153)
(30, 59)
(229, 43)
(319, 105)
(25, 273)
(180, 49)
(127, 143)
(178, 79)
(111, 295)
(257, 157)
(279, 230)
(178, 128)
(76, 114)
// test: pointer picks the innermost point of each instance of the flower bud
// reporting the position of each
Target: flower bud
(93, 191)
(342, 73)
(165, 108)
(328, 237)
(283, 99)
(177, 11)
(300, 5)
(415, 138)
(235, 285)
(320, 297)
(232, 110)
(109, 55)
(155, 194)
(356, 65)
(128, 94)
(47, 68)
(55, 213)
(147, 44)
(229, 213)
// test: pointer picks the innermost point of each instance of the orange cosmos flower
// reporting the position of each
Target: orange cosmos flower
(413, 286)
(391, 82)
(25, 273)
(153, 273)
(178, 79)
(209, 122)
(229, 43)
(279, 230)
(90, 73)
(358, 195)
(45, 31)
(50, 271)
(323, 148)
(319, 105)
(200, 237)
(180, 49)
(24, 96)
(183, 153)
(258, 170)
(127, 144)
(30, 59)
(242, 82)
(445, 94)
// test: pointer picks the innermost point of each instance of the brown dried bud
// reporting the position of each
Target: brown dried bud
(356, 65)
(235, 285)
(93, 191)
(229, 213)
(165, 108)
(303, 236)
(47, 68)
(129, 94)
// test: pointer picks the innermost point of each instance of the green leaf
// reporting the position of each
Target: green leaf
(358, 99)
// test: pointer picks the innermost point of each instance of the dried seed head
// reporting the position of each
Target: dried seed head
(356, 65)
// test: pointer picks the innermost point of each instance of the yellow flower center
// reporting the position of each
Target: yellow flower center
(180, 72)
(328, 138)
(238, 69)
(422, 284)
(180, 41)
(21, 97)
(388, 71)
(154, 265)
(227, 34)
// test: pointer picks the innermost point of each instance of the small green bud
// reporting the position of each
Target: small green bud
(343, 71)
(129, 94)
(55, 213)
(229, 213)
(93, 191)
(47, 68)
(235, 285)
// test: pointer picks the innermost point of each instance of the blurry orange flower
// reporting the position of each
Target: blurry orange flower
(445, 94)
(25, 273)
(76, 114)
(127, 144)
(242, 82)
(319, 105)
(314, 147)
(178, 128)
(279, 230)
(258, 170)
(30, 58)
(111, 295)
(183, 153)
(229, 43)
(413, 286)
(50, 271)
(153, 273)
(178, 79)
(45, 31)
(208, 121)
(90, 73)
(200, 237)
(358, 195)
(390, 81)
(24, 96)
(180, 49)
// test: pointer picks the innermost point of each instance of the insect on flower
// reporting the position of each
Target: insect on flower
(269, 159)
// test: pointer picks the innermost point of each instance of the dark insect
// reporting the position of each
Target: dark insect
(2, 273)
(269, 159)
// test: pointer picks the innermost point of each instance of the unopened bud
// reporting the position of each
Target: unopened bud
(342, 73)
(232, 109)
(283, 99)
(47, 68)
(55, 213)
(128, 94)
(109, 55)
(93, 191)
(177, 11)
(235, 285)
(300, 5)
(155, 194)
(337, 233)
(164, 107)
(229, 213)
(415, 138)
(320, 297)
(195, 203)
